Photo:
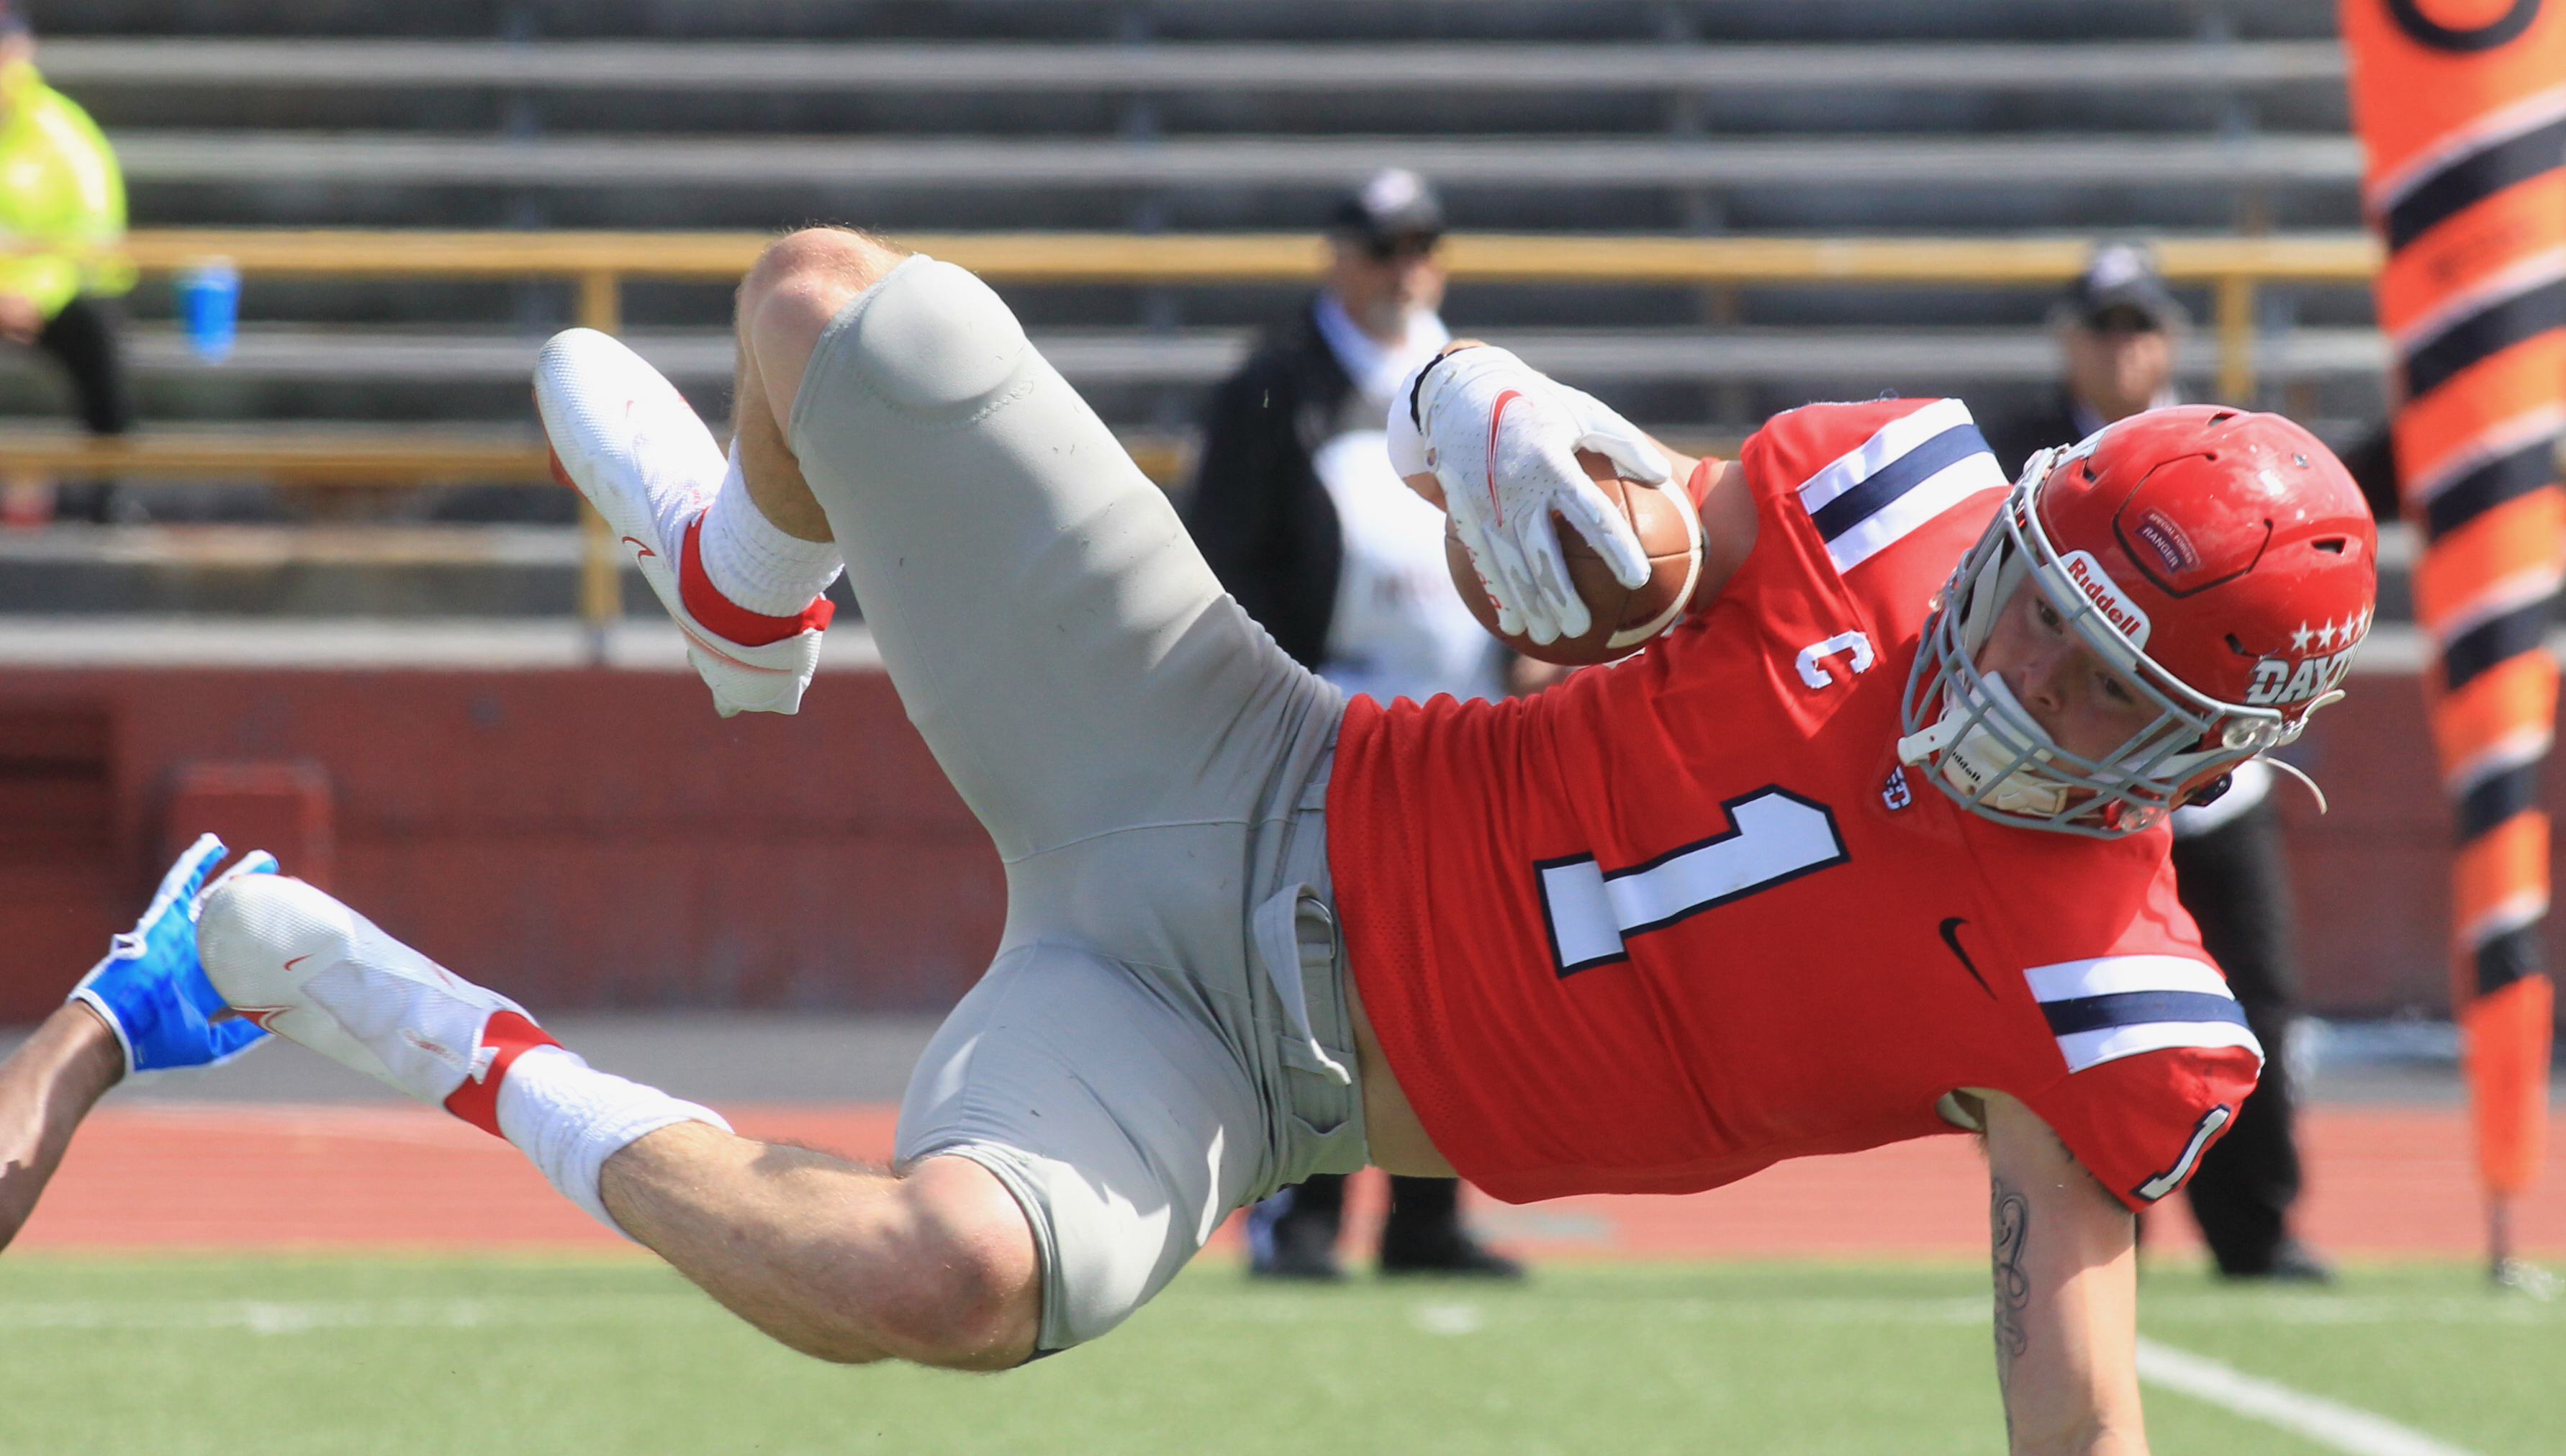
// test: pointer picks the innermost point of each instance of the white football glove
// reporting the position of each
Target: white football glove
(1503, 438)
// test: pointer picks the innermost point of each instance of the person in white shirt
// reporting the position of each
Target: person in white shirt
(1297, 508)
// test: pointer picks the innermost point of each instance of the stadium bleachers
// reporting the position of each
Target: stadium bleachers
(323, 65)
(1985, 117)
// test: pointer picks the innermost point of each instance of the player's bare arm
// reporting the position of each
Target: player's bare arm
(2064, 1265)
(46, 1088)
(144, 1007)
(1727, 511)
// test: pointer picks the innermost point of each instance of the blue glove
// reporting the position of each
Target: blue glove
(150, 989)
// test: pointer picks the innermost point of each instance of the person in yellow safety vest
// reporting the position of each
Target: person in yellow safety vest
(62, 224)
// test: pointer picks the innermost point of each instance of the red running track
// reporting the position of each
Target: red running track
(2382, 1181)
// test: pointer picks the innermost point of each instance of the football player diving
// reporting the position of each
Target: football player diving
(1868, 846)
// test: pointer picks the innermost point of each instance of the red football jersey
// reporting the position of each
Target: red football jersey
(1683, 917)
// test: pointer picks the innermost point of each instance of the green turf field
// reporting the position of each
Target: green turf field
(496, 1357)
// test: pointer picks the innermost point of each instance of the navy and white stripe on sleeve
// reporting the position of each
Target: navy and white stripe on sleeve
(2118, 1006)
(1911, 470)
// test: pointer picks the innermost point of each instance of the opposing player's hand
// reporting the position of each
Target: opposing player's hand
(1502, 439)
(150, 989)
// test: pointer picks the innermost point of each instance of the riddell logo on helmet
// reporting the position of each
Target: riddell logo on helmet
(2107, 596)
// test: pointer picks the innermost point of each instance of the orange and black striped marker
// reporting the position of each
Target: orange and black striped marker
(2461, 105)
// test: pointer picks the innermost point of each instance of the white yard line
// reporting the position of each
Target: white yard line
(2329, 1423)
(298, 1317)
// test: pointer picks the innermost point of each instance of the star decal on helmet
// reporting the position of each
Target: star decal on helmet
(2280, 681)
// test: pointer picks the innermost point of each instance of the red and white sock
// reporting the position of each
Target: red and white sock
(569, 1118)
(744, 579)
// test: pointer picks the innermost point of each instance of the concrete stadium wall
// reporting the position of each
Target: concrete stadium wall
(2372, 875)
(573, 838)
(586, 839)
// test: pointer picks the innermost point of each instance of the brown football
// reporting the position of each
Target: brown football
(1624, 617)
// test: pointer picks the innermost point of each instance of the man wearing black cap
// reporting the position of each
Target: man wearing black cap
(2116, 327)
(2117, 330)
(1259, 510)
(1299, 512)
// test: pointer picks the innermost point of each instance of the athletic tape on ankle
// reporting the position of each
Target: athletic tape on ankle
(568, 1117)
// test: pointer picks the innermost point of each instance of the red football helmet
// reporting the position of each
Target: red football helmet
(2222, 561)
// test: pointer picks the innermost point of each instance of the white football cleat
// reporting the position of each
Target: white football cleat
(295, 962)
(619, 432)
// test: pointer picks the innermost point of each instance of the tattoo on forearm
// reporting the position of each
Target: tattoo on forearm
(2009, 1220)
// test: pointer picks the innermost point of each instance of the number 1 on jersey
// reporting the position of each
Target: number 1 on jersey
(1774, 835)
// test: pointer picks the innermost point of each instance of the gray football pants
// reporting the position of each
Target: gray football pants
(1164, 1033)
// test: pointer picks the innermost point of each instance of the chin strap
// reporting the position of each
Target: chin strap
(2290, 734)
(1924, 741)
(2295, 772)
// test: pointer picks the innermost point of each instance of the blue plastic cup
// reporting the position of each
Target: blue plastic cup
(209, 306)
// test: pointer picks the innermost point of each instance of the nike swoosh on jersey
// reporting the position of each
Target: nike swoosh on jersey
(2116, 1006)
(1950, 929)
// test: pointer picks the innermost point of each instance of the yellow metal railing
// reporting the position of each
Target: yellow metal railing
(598, 264)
